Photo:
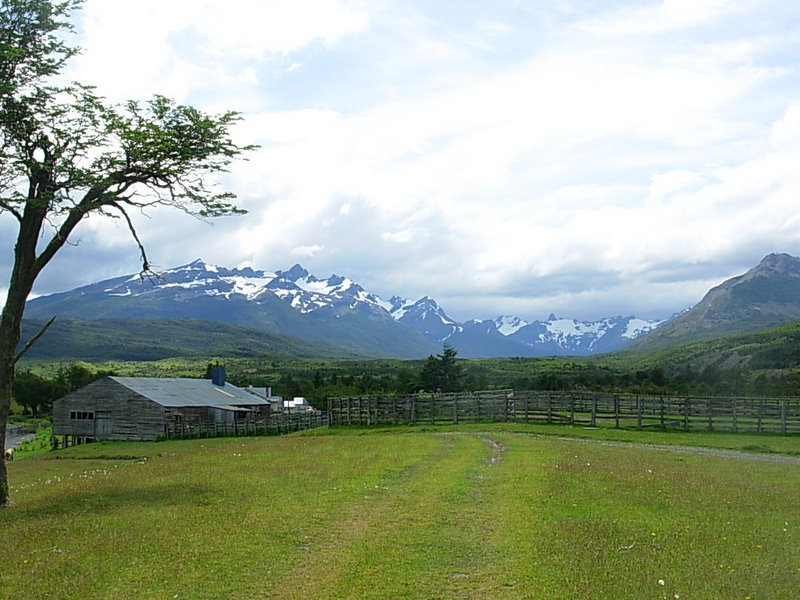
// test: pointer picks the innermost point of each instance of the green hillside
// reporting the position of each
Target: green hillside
(155, 339)
(774, 348)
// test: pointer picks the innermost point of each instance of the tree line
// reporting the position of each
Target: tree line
(36, 393)
(443, 372)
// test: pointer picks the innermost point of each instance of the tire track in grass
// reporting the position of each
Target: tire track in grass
(514, 485)
(418, 535)
(595, 521)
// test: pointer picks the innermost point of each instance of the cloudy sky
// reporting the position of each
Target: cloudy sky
(508, 157)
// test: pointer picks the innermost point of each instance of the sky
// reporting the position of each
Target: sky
(512, 157)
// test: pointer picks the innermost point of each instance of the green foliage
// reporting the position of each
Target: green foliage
(442, 373)
(36, 392)
(30, 45)
(42, 442)
(156, 339)
(210, 369)
(760, 363)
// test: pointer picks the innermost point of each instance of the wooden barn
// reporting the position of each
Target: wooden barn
(143, 408)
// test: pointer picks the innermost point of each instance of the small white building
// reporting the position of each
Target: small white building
(298, 403)
(265, 393)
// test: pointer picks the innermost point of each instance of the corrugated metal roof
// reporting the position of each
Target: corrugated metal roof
(174, 391)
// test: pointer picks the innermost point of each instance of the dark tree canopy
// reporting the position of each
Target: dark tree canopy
(66, 153)
(442, 373)
(36, 393)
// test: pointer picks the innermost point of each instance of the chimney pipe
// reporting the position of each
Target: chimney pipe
(218, 376)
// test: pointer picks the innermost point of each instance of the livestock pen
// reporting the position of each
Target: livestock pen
(736, 414)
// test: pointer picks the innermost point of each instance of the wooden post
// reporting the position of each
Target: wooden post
(783, 417)
(455, 409)
(735, 424)
(616, 411)
(549, 408)
(594, 410)
(638, 411)
(710, 409)
(686, 414)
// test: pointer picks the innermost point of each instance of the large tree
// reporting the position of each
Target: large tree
(442, 373)
(65, 154)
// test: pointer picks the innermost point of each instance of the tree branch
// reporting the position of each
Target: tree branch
(11, 209)
(146, 271)
(32, 341)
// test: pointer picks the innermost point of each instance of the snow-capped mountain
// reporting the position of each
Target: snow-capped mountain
(582, 337)
(294, 303)
(335, 310)
(425, 316)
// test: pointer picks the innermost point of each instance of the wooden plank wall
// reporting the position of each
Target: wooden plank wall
(778, 415)
(132, 416)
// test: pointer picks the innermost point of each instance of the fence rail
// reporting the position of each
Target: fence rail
(778, 415)
(273, 425)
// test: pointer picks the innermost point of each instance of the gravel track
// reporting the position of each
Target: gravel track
(720, 452)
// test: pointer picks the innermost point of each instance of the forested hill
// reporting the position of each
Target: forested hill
(154, 339)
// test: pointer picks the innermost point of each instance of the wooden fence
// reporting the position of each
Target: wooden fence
(274, 425)
(778, 415)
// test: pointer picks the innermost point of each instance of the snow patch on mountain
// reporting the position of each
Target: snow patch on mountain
(306, 293)
(508, 325)
(638, 327)
(336, 296)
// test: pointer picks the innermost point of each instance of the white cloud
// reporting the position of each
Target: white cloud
(508, 158)
(176, 47)
(307, 251)
(785, 134)
(649, 18)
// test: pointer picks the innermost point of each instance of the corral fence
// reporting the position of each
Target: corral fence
(594, 409)
(276, 424)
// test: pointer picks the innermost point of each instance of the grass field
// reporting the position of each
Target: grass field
(466, 512)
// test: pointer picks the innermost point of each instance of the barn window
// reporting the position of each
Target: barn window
(79, 415)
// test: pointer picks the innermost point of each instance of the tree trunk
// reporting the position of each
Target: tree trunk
(9, 338)
(22, 277)
(6, 381)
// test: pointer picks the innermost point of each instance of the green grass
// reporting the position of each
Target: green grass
(41, 443)
(491, 511)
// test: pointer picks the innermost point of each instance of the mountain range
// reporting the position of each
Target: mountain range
(765, 296)
(334, 311)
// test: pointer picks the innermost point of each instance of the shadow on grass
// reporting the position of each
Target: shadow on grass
(107, 500)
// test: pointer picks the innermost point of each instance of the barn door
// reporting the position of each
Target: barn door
(102, 424)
